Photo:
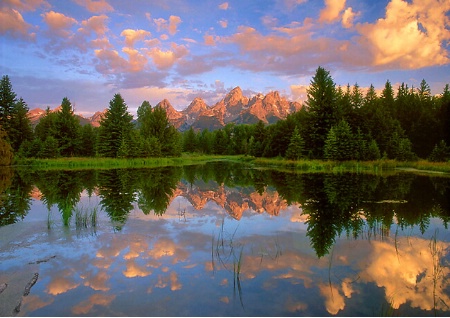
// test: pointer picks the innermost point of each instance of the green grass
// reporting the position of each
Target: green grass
(377, 166)
(93, 163)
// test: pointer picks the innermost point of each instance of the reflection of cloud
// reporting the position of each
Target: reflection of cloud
(134, 270)
(61, 282)
(166, 247)
(334, 301)
(97, 281)
(86, 306)
(33, 302)
(398, 273)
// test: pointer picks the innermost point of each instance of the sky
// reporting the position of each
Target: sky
(89, 50)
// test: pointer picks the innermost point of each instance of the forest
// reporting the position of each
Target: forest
(335, 123)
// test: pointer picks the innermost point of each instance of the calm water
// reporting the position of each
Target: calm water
(223, 240)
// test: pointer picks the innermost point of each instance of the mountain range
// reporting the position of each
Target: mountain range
(233, 108)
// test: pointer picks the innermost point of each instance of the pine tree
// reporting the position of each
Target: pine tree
(322, 107)
(189, 140)
(6, 152)
(68, 127)
(7, 101)
(115, 127)
(340, 144)
(296, 146)
(20, 125)
(153, 122)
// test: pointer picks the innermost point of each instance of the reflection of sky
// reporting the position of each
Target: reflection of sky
(173, 265)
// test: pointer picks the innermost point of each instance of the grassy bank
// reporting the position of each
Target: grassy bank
(377, 166)
(105, 163)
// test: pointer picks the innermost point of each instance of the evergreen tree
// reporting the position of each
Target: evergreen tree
(340, 144)
(115, 127)
(296, 146)
(189, 140)
(153, 122)
(46, 126)
(441, 152)
(7, 101)
(88, 140)
(68, 127)
(220, 142)
(387, 98)
(322, 107)
(6, 151)
(49, 148)
(20, 125)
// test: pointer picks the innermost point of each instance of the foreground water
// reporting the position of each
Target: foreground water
(223, 240)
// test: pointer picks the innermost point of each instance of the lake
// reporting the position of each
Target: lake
(223, 239)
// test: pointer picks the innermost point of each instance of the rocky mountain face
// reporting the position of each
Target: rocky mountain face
(36, 114)
(234, 108)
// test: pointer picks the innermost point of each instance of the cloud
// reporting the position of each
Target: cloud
(95, 6)
(131, 36)
(291, 4)
(223, 23)
(210, 40)
(96, 24)
(410, 36)
(166, 59)
(171, 25)
(347, 18)
(58, 23)
(331, 11)
(25, 5)
(136, 61)
(224, 6)
(110, 62)
(298, 92)
(13, 24)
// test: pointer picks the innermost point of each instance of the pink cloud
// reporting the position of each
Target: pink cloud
(331, 11)
(210, 40)
(58, 23)
(166, 59)
(410, 36)
(25, 5)
(95, 6)
(96, 24)
(12, 23)
(136, 61)
(347, 17)
(110, 62)
(171, 25)
(223, 23)
(224, 6)
(132, 36)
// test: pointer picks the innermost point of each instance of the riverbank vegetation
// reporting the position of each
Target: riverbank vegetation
(336, 124)
(307, 165)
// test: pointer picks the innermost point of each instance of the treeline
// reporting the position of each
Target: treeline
(344, 124)
(335, 123)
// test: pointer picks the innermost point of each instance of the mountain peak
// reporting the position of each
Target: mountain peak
(234, 96)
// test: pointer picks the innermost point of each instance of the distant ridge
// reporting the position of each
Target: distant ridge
(233, 108)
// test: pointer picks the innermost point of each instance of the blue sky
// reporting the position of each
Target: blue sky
(88, 50)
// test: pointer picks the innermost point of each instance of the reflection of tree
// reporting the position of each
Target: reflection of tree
(117, 193)
(156, 186)
(63, 188)
(14, 196)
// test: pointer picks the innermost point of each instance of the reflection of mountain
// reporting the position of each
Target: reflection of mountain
(234, 200)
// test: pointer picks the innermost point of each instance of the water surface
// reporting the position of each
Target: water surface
(223, 240)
